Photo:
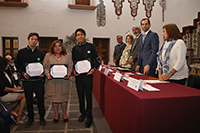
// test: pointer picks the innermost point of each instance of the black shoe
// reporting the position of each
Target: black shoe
(30, 121)
(88, 123)
(56, 120)
(65, 120)
(81, 118)
(42, 121)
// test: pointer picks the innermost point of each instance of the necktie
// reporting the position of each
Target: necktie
(143, 38)
(117, 48)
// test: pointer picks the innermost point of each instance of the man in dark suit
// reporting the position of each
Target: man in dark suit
(149, 43)
(135, 47)
(118, 50)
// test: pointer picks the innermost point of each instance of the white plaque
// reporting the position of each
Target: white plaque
(34, 69)
(107, 72)
(118, 76)
(135, 84)
(58, 71)
(83, 66)
(100, 68)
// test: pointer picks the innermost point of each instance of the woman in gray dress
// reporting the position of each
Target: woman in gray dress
(57, 89)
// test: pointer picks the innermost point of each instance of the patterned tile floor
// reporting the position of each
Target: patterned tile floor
(73, 126)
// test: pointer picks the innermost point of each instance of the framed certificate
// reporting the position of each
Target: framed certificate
(58, 71)
(34, 69)
(83, 66)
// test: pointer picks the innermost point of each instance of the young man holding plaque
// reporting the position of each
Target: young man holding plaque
(31, 54)
(84, 53)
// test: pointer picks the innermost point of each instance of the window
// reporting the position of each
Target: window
(10, 46)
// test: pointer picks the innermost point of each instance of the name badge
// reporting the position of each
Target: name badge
(118, 76)
(135, 84)
(107, 72)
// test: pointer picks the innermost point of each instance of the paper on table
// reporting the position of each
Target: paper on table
(138, 73)
(155, 81)
(123, 69)
(83, 66)
(16, 91)
(150, 88)
(126, 78)
(129, 73)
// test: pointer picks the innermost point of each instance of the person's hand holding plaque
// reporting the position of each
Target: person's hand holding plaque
(26, 76)
(66, 77)
(49, 76)
(75, 73)
(91, 72)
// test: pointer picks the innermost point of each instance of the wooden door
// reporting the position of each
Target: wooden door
(102, 48)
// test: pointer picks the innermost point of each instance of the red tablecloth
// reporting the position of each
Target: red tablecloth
(173, 109)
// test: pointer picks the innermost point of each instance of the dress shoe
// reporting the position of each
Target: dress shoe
(81, 118)
(56, 120)
(42, 121)
(65, 120)
(88, 123)
(30, 121)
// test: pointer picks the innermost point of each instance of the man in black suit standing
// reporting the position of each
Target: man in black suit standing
(118, 50)
(149, 43)
(135, 47)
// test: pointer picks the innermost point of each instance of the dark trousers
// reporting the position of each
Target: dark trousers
(84, 88)
(4, 122)
(38, 88)
(181, 81)
(152, 71)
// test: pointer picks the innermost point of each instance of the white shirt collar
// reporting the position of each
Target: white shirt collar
(147, 32)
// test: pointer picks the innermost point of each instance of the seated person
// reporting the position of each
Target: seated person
(7, 87)
(12, 70)
(124, 60)
(4, 121)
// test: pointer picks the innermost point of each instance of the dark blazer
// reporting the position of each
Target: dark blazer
(117, 55)
(134, 51)
(147, 52)
(5, 83)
